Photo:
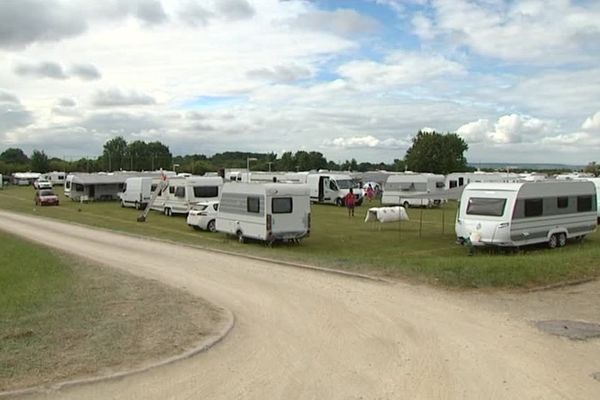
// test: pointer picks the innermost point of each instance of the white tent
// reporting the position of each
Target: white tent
(386, 214)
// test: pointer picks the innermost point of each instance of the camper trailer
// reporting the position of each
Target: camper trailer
(264, 211)
(183, 193)
(55, 177)
(90, 187)
(136, 192)
(518, 214)
(331, 188)
(414, 190)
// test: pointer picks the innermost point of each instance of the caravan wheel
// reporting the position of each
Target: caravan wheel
(562, 239)
(553, 241)
(168, 212)
(240, 236)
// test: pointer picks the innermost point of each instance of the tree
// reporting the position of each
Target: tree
(592, 168)
(437, 153)
(114, 156)
(14, 156)
(40, 162)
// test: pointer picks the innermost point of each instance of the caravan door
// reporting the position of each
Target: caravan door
(323, 187)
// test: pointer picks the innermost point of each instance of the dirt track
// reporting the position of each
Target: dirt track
(302, 334)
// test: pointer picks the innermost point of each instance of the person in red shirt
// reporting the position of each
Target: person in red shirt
(349, 202)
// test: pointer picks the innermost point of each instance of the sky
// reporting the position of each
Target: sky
(519, 81)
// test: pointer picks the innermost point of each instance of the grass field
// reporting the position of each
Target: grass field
(62, 318)
(422, 249)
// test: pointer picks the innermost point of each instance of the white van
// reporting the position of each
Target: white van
(264, 211)
(414, 190)
(331, 188)
(136, 192)
(183, 193)
(56, 177)
(517, 214)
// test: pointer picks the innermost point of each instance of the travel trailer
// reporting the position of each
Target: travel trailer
(414, 190)
(183, 193)
(460, 179)
(55, 177)
(331, 188)
(136, 192)
(264, 211)
(518, 214)
(90, 187)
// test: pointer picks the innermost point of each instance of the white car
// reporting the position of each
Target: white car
(42, 184)
(204, 216)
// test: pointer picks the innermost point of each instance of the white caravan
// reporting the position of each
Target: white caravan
(596, 182)
(331, 188)
(264, 211)
(136, 192)
(55, 177)
(460, 179)
(414, 190)
(183, 193)
(518, 214)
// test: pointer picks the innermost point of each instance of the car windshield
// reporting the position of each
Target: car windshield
(46, 193)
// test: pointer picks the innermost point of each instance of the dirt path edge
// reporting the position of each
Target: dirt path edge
(204, 345)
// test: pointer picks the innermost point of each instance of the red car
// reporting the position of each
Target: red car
(46, 197)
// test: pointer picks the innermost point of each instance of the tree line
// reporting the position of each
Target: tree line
(429, 152)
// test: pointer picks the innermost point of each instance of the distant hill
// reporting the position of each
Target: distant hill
(527, 166)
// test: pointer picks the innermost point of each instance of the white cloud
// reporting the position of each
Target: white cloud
(427, 129)
(399, 69)
(545, 32)
(115, 97)
(343, 22)
(508, 129)
(592, 124)
(364, 142)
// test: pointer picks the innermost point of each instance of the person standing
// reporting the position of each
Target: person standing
(349, 201)
(370, 193)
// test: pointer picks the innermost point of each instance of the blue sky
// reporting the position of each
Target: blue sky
(519, 81)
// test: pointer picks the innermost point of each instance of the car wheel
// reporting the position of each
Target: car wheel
(562, 239)
(168, 212)
(196, 227)
(211, 226)
(553, 241)
(240, 236)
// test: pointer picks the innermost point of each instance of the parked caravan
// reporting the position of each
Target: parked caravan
(136, 192)
(414, 190)
(25, 178)
(460, 179)
(264, 211)
(518, 214)
(596, 182)
(90, 187)
(1, 182)
(331, 188)
(183, 193)
(55, 177)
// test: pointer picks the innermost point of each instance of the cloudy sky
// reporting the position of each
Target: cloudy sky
(518, 80)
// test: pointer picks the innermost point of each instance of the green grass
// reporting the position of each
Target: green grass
(422, 249)
(62, 318)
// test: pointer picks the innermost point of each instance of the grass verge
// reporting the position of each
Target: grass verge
(63, 318)
(422, 249)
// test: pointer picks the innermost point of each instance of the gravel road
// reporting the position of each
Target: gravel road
(302, 334)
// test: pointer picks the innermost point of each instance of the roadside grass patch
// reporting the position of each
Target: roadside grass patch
(421, 250)
(63, 318)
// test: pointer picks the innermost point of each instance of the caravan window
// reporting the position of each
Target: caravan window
(206, 191)
(461, 181)
(78, 187)
(584, 203)
(486, 206)
(253, 204)
(171, 189)
(534, 207)
(68, 184)
(562, 202)
(439, 185)
(180, 191)
(452, 184)
(153, 187)
(281, 205)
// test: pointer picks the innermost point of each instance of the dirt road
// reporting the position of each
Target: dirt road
(302, 334)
